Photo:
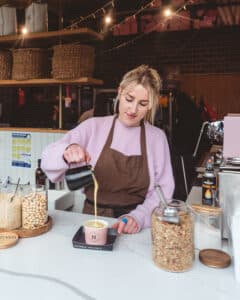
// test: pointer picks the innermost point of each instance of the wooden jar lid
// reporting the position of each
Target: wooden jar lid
(206, 209)
(8, 239)
(214, 258)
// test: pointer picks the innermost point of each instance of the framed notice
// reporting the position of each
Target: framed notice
(21, 150)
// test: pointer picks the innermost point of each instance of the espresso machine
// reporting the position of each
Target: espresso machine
(226, 164)
(229, 172)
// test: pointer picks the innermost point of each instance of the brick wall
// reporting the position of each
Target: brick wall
(208, 59)
(196, 51)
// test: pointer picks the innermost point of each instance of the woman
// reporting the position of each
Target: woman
(129, 155)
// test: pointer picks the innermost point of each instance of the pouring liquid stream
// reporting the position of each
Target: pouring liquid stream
(95, 197)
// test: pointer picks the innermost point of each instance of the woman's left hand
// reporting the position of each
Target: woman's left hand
(126, 224)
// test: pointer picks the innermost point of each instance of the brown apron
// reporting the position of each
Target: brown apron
(123, 180)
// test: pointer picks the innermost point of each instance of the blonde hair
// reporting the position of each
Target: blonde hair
(150, 80)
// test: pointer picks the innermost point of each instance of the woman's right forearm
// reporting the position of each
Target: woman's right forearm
(53, 163)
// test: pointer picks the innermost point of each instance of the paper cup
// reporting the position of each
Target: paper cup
(96, 232)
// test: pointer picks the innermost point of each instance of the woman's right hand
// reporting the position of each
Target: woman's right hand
(76, 154)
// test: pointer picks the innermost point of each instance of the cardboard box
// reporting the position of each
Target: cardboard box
(36, 17)
(8, 20)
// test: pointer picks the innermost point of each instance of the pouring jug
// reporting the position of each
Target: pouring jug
(80, 177)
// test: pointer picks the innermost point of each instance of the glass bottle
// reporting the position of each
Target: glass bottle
(172, 242)
(40, 177)
(209, 183)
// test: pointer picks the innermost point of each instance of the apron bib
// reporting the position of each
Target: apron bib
(123, 180)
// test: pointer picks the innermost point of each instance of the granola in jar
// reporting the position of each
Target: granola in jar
(172, 244)
(34, 207)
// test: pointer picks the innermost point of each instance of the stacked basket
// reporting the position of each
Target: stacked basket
(30, 63)
(6, 64)
(72, 61)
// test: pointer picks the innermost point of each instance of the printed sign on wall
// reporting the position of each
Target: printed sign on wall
(21, 150)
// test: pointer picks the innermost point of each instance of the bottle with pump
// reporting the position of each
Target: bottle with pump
(40, 177)
(209, 185)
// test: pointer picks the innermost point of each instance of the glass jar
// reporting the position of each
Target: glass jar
(207, 226)
(172, 243)
(34, 207)
(10, 207)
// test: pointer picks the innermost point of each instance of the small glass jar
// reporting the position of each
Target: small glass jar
(172, 243)
(207, 226)
(34, 207)
(10, 207)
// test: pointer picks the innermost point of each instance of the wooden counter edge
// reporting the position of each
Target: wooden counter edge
(47, 130)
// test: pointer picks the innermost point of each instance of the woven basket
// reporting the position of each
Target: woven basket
(6, 64)
(30, 63)
(72, 61)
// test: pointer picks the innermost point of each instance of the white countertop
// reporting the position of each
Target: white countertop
(48, 267)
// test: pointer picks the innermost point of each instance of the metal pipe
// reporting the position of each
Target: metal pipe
(199, 138)
(170, 116)
(184, 175)
(60, 106)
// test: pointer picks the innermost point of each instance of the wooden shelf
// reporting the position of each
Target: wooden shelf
(83, 34)
(50, 81)
(30, 129)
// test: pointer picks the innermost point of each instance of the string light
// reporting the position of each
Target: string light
(108, 20)
(167, 12)
(92, 15)
(159, 23)
(24, 30)
(150, 4)
(111, 3)
(102, 10)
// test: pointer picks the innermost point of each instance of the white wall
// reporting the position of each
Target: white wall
(39, 140)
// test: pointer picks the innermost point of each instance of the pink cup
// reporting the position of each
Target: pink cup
(96, 232)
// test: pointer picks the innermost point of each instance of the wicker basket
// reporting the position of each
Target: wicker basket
(72, 61)
(30, 63)
(6, 64)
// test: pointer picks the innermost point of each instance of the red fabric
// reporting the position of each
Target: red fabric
(208, 113)
(148, 23)
(68, 91)
(126, 28)
(205, 18)
(157, 3)
(179, 22)
(21, 97)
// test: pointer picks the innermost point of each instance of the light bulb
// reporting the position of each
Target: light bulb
(167, 12)
(24, 30)
(108, 20)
